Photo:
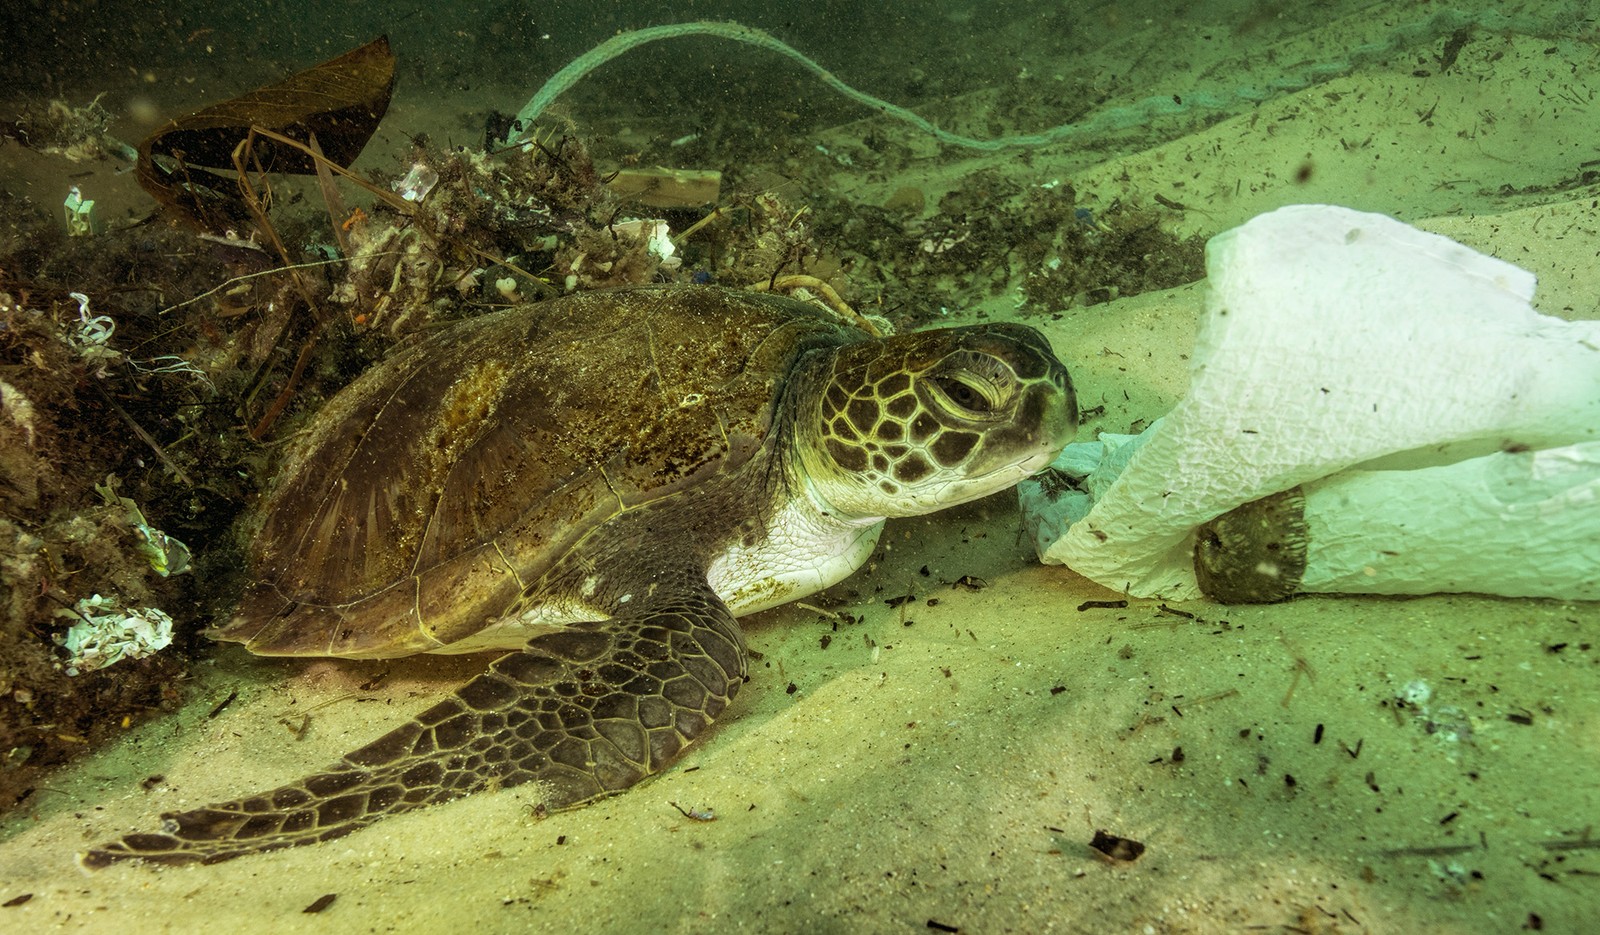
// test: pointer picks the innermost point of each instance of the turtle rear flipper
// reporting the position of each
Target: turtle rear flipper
(585, 712)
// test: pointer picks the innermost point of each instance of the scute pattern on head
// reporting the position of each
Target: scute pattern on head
(923, 420)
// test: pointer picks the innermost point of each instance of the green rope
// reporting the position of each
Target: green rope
(1441, 23)
(620, 44)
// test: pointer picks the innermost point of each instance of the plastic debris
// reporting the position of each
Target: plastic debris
(79, 213)
(417, 183)
(92, 338)
(106, 633)
(656, 235)
(1373, 410)
(93, 335)
(166, 555)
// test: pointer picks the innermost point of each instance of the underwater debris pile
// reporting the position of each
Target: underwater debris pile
(487, 223)
(991, 234)
(758, 237)
(520, 207)
(64, 546)
(464, 237)
(173, 358)
(77, 134)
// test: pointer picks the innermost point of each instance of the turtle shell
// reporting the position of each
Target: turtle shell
(432, 494)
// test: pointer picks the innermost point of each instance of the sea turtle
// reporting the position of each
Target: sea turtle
(602, 483)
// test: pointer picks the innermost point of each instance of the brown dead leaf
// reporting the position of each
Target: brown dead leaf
(340, 101)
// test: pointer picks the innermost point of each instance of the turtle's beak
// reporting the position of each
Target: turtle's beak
(1059, 422)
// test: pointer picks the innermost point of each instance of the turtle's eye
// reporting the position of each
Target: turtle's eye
(968, 391)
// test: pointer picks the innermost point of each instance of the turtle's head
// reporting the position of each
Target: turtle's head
(922, 421)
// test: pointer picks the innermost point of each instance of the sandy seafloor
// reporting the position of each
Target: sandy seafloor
(946, 764)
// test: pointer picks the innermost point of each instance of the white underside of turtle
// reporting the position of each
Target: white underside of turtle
(804, 551)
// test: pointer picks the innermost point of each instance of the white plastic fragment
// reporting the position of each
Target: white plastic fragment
(417, 183)
(107, 633)
(92, 336)
(661, 246)
(1445, 435)
(656, 235)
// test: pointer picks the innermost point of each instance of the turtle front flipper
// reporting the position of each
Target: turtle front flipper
(586, 712)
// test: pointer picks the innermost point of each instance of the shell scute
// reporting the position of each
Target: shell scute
(437, 487)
